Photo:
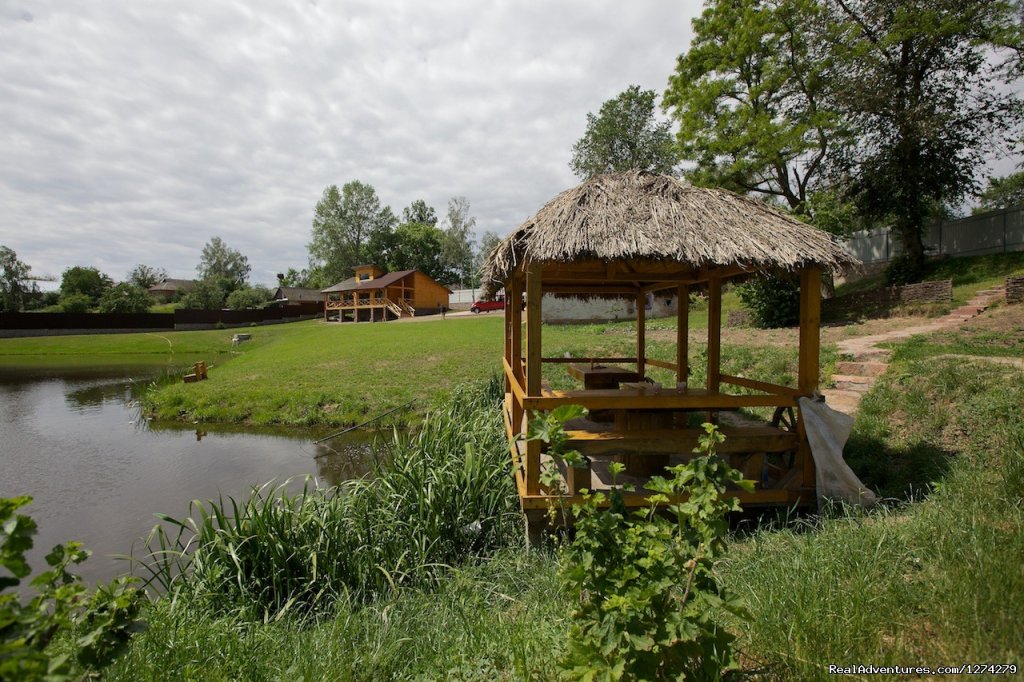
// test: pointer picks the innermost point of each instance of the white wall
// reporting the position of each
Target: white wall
(556, 309)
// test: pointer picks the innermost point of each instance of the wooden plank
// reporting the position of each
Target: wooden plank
(513, 382)
(596, 361)
(759, 385)
(680, 441)
(533, 366)
(714, 333)
(633, 399)
(515, 293)
(756, 497)
(641, 334)
(682, 332)
(593, 288)
(664, 365)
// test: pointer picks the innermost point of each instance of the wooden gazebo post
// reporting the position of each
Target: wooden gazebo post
(641, 334)
(533, 367)
(714, 333)
(682, 332)
(810, 351)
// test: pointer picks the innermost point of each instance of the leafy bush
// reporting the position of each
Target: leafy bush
(772, 300)
(441, 496)
(125, 298)
(102, 622)
(204, 295)
(75, 303)
(649, 597)
(902, 270)
(248, 297)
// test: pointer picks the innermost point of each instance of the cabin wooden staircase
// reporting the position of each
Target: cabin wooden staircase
(399, 308)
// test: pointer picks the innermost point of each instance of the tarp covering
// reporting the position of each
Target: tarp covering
(827, 432)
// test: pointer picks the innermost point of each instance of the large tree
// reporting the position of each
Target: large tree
(749, 98)
(417, 246)
(488, 241)
(624, 135)
(1005, 192)
(345, 224)
(146, 276)
(457, 249)
(84, 281)
(125, 298)
(15, 281)
(922, 85)
(220, 263)
(419, 212)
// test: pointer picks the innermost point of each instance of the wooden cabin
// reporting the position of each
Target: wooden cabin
(626, 235)
(372, 295)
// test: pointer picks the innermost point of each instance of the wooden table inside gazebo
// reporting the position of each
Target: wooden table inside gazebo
(578, 245)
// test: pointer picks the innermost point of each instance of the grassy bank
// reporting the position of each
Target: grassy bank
(932, 582)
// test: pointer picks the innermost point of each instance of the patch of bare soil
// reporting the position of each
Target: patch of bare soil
(830, 333)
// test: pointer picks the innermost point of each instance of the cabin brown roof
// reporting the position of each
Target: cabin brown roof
(351, 284)
(640, 215)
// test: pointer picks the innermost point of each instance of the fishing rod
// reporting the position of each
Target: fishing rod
(357, 426)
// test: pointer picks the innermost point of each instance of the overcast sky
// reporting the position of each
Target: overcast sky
(133, 132)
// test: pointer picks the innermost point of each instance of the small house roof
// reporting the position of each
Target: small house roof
(352, 284)
(297, 294)
(171, 284)
(639, 215)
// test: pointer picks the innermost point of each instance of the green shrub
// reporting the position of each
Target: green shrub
(650, 602)
(248, 297)
(125, 298)
(437, 498)
(75, 303)
(902, 270)
(772, 300)
(99, 624)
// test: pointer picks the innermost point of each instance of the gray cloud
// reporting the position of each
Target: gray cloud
(133, 132)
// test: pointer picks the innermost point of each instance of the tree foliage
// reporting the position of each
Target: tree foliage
(225, 265)
(624, 135)
(146, 276)
(748, 96)
(418, 246)
(125, 298)
(345, 223)
(249, 297)
(419, 212)
(206, 294)
(919, 88)
(773, 300)
(488, 241)
(888, 105)
(84, 281)
(15, 284)
(1005, 192)
(457, 248)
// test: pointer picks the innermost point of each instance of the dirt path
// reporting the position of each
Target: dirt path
(866, 361)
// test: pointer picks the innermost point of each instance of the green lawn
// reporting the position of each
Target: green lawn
(934, 581)
(311, 373)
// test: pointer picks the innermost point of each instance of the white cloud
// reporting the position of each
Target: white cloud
(133, 132)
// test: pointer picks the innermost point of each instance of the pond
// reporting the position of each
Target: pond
(72, 436)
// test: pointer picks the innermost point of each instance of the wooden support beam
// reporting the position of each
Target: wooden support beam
(714, 333)
(810, 350)
(533, 367)
(682, 332)
(810, 323)
(641, 334)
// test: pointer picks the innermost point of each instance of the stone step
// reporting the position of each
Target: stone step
(848, 382)
(971, 310)
(861, 369)
(872, 355)
(844, 401)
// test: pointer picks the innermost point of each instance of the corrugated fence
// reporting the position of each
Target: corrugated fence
(991, 232)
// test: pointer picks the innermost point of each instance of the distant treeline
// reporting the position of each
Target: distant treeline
(177, 319)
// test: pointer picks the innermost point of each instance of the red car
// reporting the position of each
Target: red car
(487, 306)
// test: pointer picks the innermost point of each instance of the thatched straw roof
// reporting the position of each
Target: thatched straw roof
(638, 215)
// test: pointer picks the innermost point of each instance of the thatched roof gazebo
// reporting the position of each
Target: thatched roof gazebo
(626, 235)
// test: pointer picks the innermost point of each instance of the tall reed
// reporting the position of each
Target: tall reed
(439, 497)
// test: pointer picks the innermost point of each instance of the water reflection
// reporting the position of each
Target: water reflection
(74, 439)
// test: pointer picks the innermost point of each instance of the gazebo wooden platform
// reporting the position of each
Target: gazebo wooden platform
(628, 235)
